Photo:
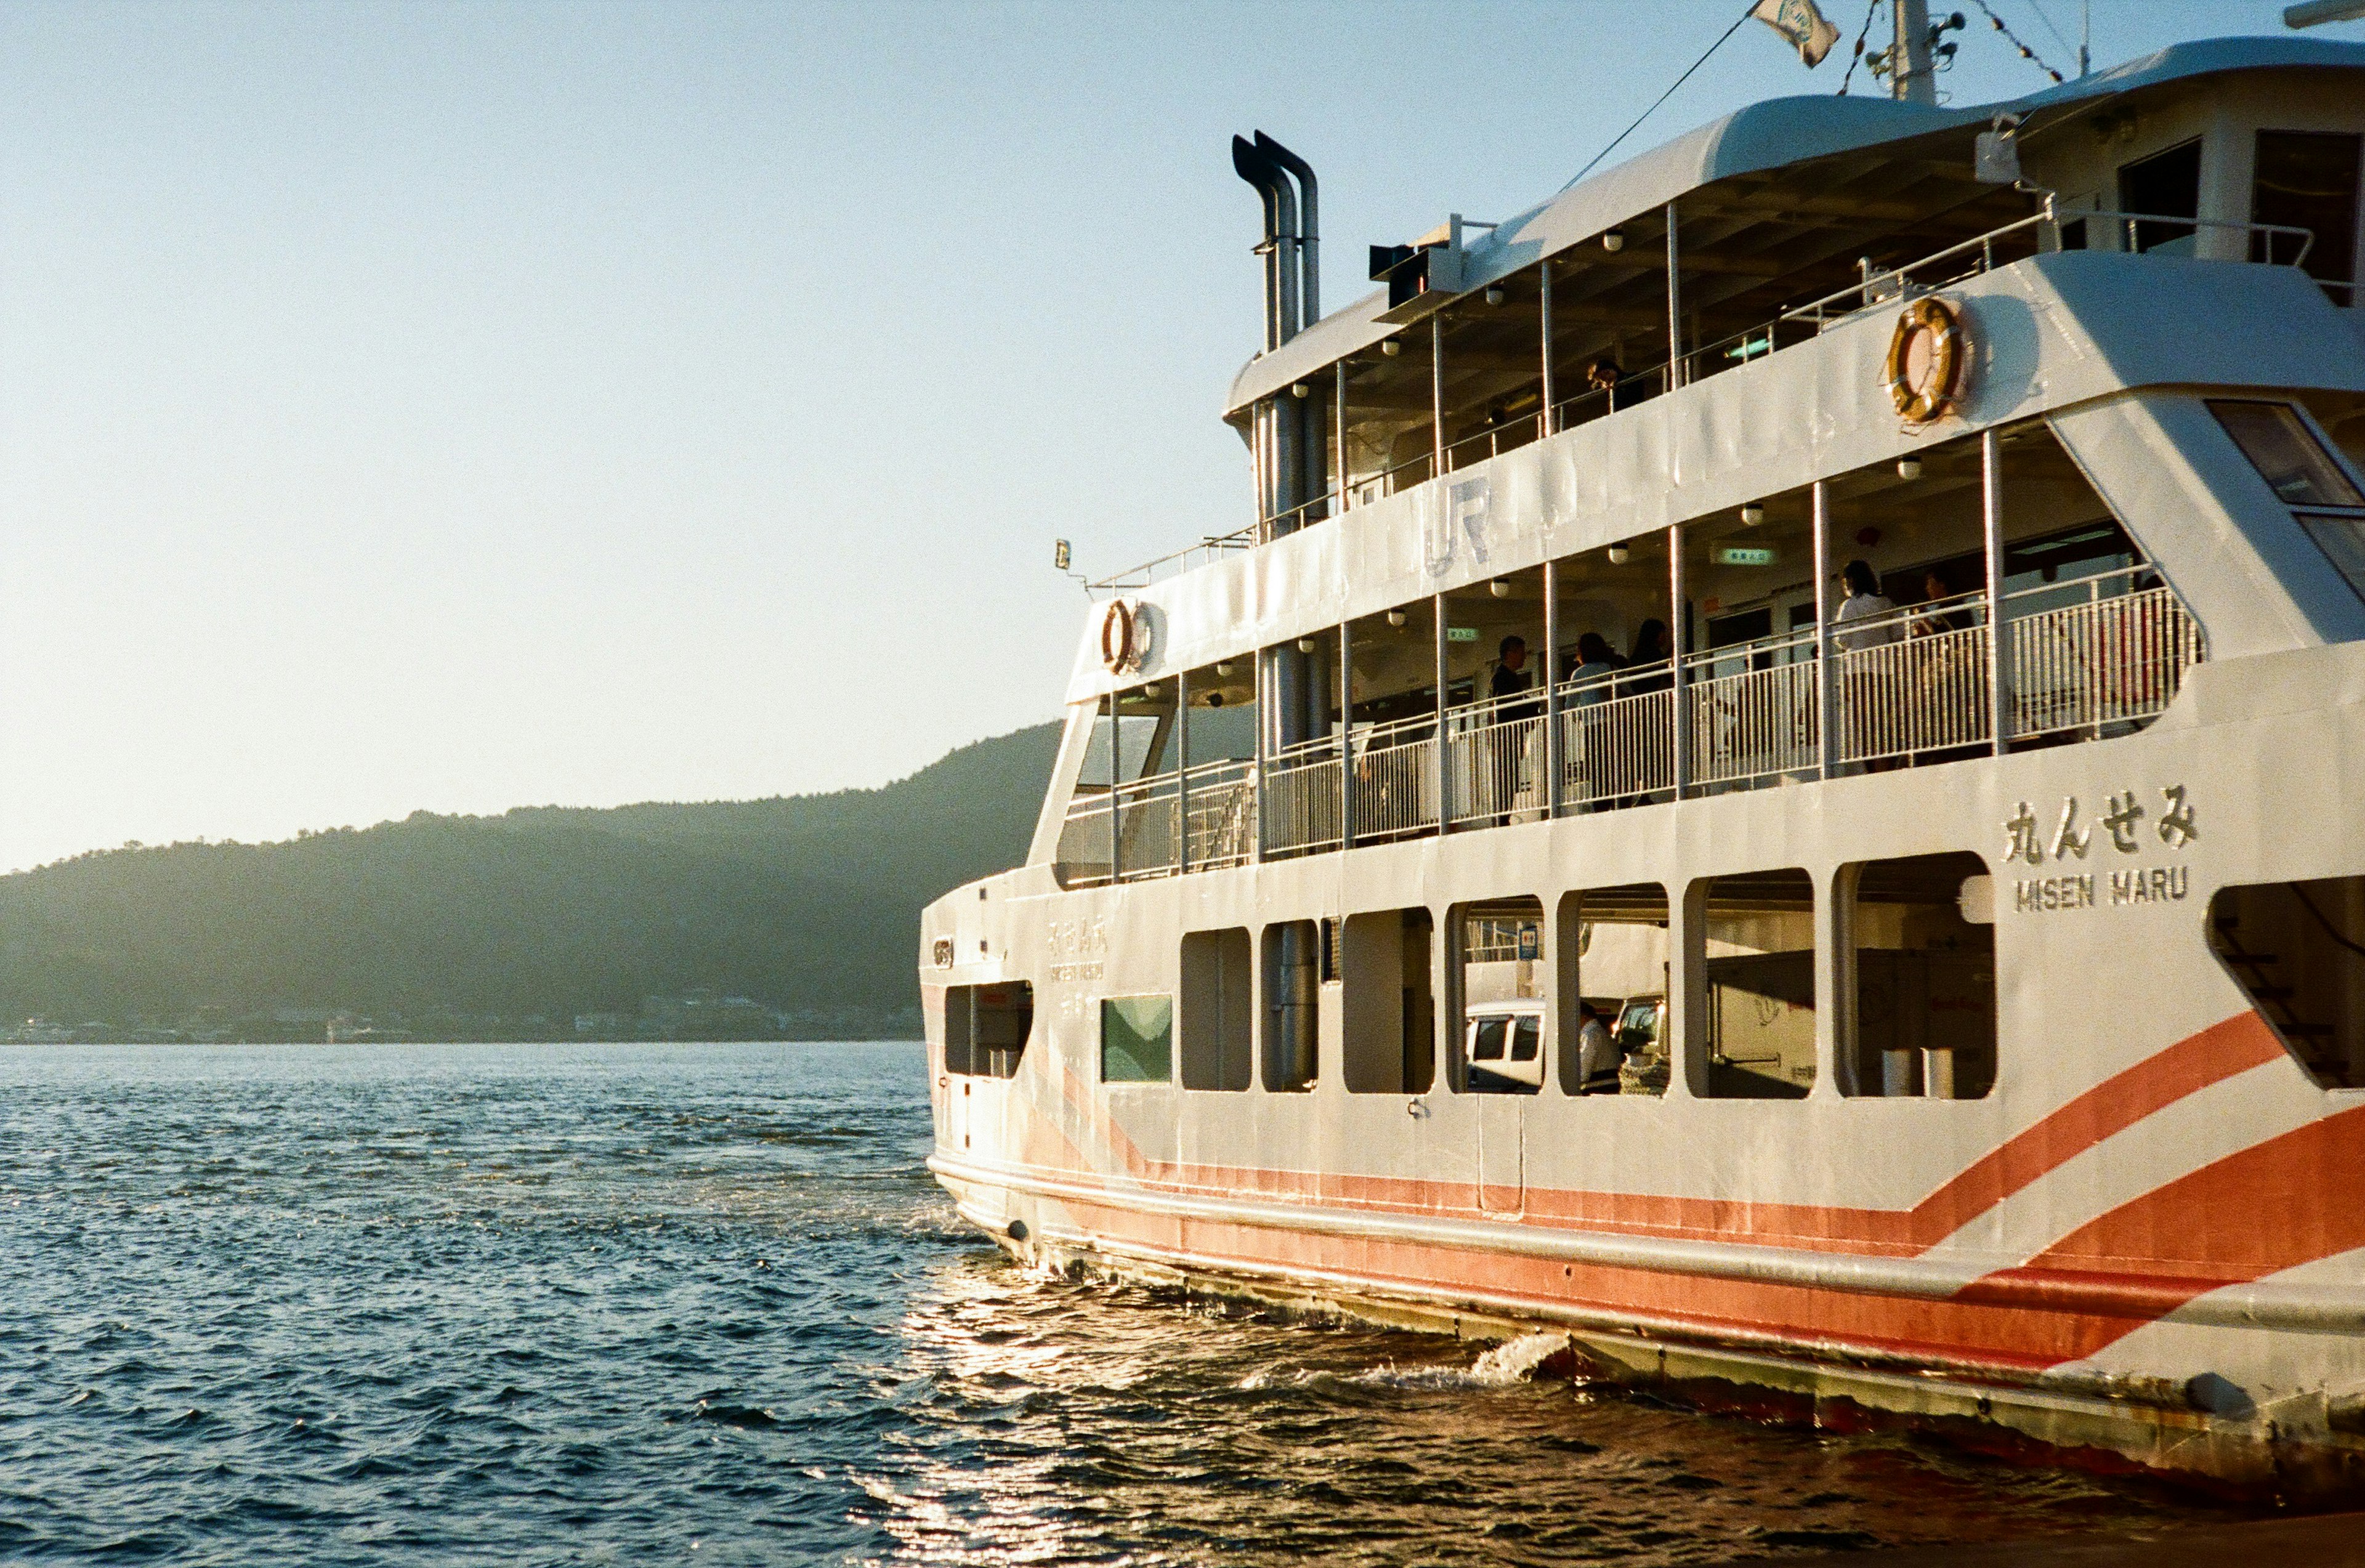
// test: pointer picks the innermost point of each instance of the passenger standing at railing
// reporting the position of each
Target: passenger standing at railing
(1862, 728)
(1594, 759)
(1604, 376)
(1952, 677)
(1650, 655)
(1506, 747)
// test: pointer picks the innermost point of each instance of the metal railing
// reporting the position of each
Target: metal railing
(1221, 811)
(1213, 547)
(1301, 800)
(1395, 780)
(1495, 759)
(2089, 657)
(2095, 654)
(1912, 683)
(1617, 739)
(1754, 710)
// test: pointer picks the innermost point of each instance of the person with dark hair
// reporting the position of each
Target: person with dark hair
(1507, 747)
(1863, 601)
(1650, 654)
(1604, 376)
(1861, 693)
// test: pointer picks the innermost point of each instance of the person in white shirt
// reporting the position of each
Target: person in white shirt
(1860, 692)
(1863, 600)
(1597, 1053)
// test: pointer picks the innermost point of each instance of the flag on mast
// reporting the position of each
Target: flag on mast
(1802, 23)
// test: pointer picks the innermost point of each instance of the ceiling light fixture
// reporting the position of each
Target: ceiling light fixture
(1614, 240)
(1909, 468)
(1619, 554)
(1751, 515)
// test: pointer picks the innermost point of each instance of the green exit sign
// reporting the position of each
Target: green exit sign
(1461, 633)
(1743, 555)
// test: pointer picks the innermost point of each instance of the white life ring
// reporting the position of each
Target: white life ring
(1125, 636)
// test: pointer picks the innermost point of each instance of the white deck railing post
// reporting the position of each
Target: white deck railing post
(1548, 669)
(1991, 543)
(1827, 685)
(1678, 649)
(1346, 736)
(1182, 772)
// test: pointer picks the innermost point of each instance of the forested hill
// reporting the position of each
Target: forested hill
(794, 916)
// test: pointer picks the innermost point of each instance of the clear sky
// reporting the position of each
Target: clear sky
(466, 406)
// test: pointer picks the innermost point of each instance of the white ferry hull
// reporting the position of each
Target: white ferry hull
(2144, 1247)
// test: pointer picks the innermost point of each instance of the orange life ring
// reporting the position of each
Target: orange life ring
(1117, 636)
(1923, 397)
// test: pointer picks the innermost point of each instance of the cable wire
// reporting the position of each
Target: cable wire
(1663, 98)
(2013, 38)
(1856, 53)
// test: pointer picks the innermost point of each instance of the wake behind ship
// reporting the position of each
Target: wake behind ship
(1775, 789)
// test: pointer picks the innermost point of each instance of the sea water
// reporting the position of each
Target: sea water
(688, 1303)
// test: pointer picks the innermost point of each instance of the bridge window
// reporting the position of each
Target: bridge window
(1922, 1013)
(987, 1027)
(2307, 180)
(1137, 1039)
(2166, 184)
(1219, 1010)
(1388, 1008)
(2297, 949)
(1611, 961)
(1752, 1034)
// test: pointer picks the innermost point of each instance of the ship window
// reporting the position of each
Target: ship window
(1611, 959)
(2286, 454)
(2307, 180)
(2297, 949)
(2166, 184)
(1498, 975)
(1921, 1019)
(1752, 1032)
(1137, 1039)
(1292, 998)
(1218, 1008)
(1387, 1020)
(987, 1027)
(2342, 539)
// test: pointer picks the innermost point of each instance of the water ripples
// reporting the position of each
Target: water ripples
(525, 1305)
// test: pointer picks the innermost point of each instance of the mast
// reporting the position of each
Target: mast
(1911, 79)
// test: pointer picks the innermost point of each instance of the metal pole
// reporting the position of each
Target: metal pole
(1182, 773)
(1436, 393)
(1679, 646)
(1339, 426)
(1115, 836)
(1543, 287)
(1346, 735)
(1675, 306)
(1992, 531)
(1550, 670)
(1263, 717)
(1826, 688)
(1444, 812)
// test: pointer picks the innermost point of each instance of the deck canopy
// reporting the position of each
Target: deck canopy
(1776, 206)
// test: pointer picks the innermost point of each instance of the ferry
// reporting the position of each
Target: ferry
(1775, 789)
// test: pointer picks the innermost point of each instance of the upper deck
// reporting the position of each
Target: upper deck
(2050, 545)
(1750, 237)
